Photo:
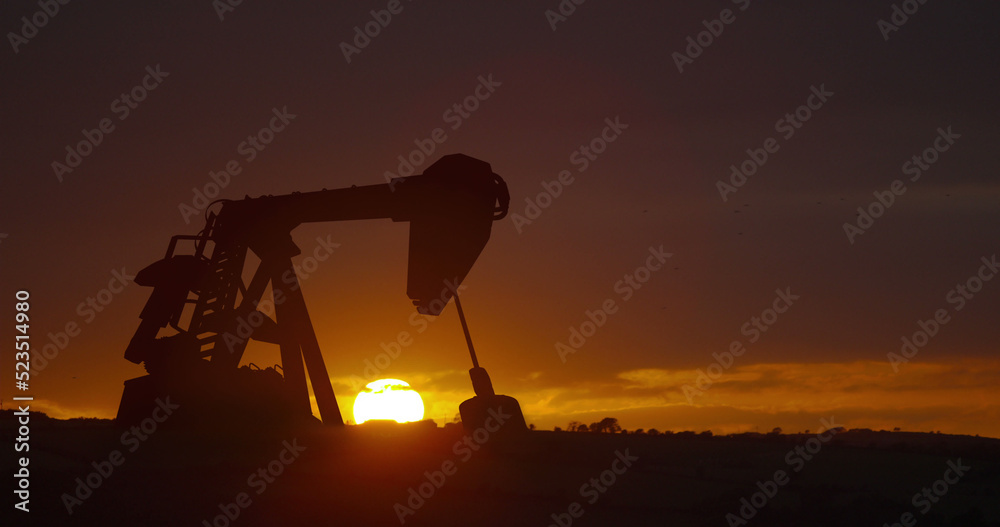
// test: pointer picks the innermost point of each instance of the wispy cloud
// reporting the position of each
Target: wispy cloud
(957, 397)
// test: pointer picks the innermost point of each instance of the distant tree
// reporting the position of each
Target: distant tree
(557, 429)
(531, 426)
(895, 429)
(582, 428)
(706, 433)
(776, 431)
(653, 432)
(573, 426)
(640, 431)
(608, 425)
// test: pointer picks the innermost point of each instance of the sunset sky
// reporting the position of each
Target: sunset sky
(608, 68)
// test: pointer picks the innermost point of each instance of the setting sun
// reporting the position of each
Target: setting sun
(388, 399)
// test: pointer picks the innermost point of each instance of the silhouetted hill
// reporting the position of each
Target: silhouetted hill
(372, 475)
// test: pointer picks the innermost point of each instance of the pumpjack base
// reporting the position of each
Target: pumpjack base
(208, 398)
(499, 415)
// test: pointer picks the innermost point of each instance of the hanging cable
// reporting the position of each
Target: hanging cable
(465, 328)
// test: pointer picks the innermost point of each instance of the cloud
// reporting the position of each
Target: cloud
(956, 397)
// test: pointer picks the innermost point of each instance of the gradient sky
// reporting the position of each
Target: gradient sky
(655, 185)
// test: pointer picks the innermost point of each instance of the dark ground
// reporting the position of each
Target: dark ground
(355, 476)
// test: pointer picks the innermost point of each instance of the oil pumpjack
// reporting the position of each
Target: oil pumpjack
(201, 314)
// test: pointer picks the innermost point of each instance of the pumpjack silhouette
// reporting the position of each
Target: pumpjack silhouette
(201, 314)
